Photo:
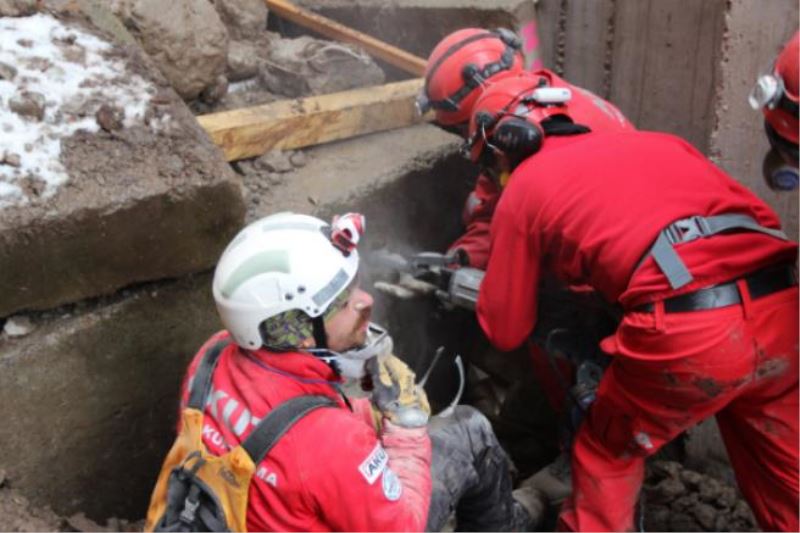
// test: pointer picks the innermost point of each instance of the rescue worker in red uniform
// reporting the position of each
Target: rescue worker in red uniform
(777, 95)
(698, 263)
(286, 289)
(459, 69)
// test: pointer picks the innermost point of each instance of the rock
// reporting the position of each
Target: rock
(18, 326)
(691, 478)
(709, 489)
(7, 72)
(28, 104)
(243, 61)
(664, 469)
(683, 522)
(11, 159)
(17, 8)
(274, 161)
(727, 497)
(685, 502)
(244, 18)
(79, 522)
(186, 39)
(705, 515)
(302, 66)
(110, 117)
(721, 523)
(741, 511)
(2, 478)
(665, 491)
(656, 517)
(298, 159)
(214, 93)
(74, 54)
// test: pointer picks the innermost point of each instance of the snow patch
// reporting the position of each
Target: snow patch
(69, 68)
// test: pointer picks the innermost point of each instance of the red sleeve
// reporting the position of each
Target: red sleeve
(508, 295)
(477, 215)
(356, 483)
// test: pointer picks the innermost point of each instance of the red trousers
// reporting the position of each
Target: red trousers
(671, 371)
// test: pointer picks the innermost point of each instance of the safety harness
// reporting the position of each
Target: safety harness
(692, 228)
(198, 491)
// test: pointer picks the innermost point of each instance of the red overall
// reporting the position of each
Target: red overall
(329, 472)
(587, 208)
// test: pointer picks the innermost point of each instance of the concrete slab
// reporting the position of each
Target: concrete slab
(576, 39)
(755, 34)
(655, 59)
(140, 198)
(89, 399)
(89, 396)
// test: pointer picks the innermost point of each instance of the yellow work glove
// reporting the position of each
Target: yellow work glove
(395, 393)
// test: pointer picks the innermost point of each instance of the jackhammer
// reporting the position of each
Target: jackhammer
(430, 273)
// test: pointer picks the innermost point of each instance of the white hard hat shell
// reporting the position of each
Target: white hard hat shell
(278, 263)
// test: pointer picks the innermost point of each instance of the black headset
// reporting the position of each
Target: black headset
(516, 137)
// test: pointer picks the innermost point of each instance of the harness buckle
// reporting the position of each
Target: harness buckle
(688, 229)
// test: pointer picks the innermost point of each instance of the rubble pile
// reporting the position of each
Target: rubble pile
(17, 514)
(679, 499)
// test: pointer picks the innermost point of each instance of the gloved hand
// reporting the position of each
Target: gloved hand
(396, 394)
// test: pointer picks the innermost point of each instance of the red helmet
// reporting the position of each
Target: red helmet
(777, 93)
(515, 115)
(460, 64)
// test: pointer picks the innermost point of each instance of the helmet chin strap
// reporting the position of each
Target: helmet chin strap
(320, 336)
(350, 363)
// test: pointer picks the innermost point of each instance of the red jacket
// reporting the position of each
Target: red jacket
(588, 207)
(329, 472)
(477, 217)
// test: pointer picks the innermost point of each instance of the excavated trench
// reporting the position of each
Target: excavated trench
(91, 392)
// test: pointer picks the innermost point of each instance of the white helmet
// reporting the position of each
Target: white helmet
(283, 262)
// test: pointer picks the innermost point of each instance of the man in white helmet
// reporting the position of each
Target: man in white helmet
(297, 323)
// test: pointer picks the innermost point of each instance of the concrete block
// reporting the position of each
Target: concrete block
(663, 64)
(90, 398)
(756, 31)
(152, 200)
(417, 25)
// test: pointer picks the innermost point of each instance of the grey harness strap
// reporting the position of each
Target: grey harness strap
(696, 227)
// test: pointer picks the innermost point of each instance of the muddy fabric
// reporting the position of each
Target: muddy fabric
(471, 476)
(739, 363)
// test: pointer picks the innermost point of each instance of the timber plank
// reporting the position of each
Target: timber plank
(291, 124)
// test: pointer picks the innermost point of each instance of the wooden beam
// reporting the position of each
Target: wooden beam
(391, 54)
(290, 124)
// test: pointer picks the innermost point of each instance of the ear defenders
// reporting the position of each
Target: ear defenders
(510, 134)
